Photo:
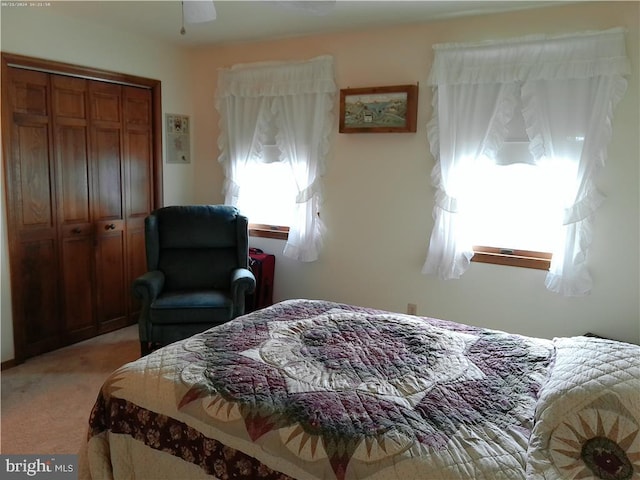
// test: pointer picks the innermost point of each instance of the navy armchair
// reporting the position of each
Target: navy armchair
(198, 275)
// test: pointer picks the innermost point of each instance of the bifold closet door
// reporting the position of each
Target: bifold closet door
(81, 174)
(70, 109)
(138, 152)
(108, 204)
(33, 245)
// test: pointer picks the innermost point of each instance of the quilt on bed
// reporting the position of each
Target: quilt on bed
(314, 389)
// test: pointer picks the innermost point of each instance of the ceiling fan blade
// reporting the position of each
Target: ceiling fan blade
(313, 7)
(199, 11)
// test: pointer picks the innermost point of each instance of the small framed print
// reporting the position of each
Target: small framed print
(379, 109)
(178, 138)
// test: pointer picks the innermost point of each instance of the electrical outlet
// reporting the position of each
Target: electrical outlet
(412, 308)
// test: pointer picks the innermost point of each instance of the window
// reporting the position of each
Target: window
(515, 204)
(275, 122)
(563, 91)
(510, 216)
(268, 195)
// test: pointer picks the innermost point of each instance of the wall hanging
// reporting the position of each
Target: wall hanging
(178, 141)
(379, 109)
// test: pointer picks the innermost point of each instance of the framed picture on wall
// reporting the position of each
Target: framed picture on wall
(178, 138)
(379, 109)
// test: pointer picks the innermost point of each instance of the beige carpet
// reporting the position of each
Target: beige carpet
(46, 401)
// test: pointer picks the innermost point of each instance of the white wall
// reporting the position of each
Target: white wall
(379, 198)
(378, 193)
(42, 33)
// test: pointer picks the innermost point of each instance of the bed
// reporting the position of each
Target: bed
(311, 389)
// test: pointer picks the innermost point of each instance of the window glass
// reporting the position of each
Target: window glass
(268, 191)
(517, 206)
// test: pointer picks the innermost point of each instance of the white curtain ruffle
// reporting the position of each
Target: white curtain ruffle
(239, 140)
(573, 125)
(461, 139)
(568, 86)
(298, 98)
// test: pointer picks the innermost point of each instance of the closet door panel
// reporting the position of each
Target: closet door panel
(74, 174)
(36, 233)
(29, 92)
(76, 239)
(139, 163)
(137, 257)
(109, 229)
(77, 294)
(110, 279)
(107, 176)
(136, 261)
(137, 108)
(39, 302)
(70, 98)
(32, 173)
(70, 109)
(108, 205)
(107, 154)
(29, 172)
(72, 155)
(138, 152)
(139, 166)
(138, 205)
(106, 102)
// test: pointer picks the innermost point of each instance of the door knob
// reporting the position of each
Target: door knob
(110, 226)
(76, 230)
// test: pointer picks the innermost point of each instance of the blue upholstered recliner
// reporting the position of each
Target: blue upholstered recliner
(198, 276)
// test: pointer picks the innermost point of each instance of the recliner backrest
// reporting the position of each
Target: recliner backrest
(196, 246)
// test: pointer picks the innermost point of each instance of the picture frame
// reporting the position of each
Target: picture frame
(178, 138)
(379, 109)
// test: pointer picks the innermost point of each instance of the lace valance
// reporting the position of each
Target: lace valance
(268, 79)
(581, 55)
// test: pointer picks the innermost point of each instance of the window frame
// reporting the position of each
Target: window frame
(512, 257)
(278, 232)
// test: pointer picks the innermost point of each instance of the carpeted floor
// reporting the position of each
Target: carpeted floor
(46, 401)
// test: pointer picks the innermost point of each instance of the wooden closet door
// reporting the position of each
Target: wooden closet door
(107, 163)
(71, 137)
(138, 154)
(82, 157)
(31, 196)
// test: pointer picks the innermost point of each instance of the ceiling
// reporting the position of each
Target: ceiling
(242, 21)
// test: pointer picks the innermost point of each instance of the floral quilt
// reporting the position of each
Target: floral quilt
(314, 389)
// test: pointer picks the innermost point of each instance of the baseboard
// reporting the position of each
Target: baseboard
(8, 364)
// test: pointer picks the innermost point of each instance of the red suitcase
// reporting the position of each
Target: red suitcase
(263, 266)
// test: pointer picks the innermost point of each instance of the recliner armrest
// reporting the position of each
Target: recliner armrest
(243, 279)
(147, 287)
(242, 282)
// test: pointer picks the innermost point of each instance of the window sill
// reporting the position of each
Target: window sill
(513, 258)
(268, 231)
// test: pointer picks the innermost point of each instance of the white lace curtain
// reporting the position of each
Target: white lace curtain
(568, 87)
(297, 98)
